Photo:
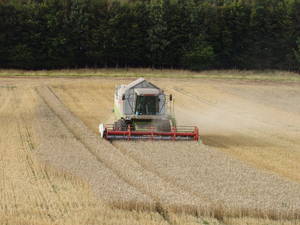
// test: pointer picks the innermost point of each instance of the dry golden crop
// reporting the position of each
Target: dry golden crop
(32, 191)
(56, 170)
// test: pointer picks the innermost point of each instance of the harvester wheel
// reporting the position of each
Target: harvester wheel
(120, 125)
(164, 126)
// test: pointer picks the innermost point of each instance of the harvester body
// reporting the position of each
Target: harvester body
(143, 111)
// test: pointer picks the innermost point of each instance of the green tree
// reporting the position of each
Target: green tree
(200, 56)
(297, 51)
(242, 34)
(157, 41)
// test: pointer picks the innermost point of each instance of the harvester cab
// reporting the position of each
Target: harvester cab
(144, 111)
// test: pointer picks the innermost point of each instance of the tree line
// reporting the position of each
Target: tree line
(186, 34)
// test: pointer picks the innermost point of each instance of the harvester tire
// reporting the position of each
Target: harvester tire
(120, 125)
(164, 126)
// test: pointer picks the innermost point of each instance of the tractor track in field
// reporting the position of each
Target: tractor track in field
(122, 148)
(5, 99)
(28, 145)
(252, 132)
(166, 176)
(55, 169)
(159, 190)
(194, 97)
(213, 104)
(77, 137)
(147, 176)
(157, 206)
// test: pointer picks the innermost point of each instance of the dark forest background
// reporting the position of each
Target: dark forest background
(185, 34)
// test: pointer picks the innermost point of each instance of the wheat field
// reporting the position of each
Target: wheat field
(56, 170)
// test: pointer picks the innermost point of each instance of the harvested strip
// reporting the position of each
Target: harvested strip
(34, 193)
(211, 173)
(124, 167)
(62, 150)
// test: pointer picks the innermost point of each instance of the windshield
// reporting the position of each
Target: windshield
(146, 105)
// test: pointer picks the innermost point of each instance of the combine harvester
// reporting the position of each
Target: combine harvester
(144, 112)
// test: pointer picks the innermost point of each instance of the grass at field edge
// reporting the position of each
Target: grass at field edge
(278, 76)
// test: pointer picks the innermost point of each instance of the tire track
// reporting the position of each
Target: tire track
(6, 97)
(28, 145)
(124, 150)
(126, 168)
(251, 132)
(156, 206)
(83, 143)
(194, 97)
(258, 131)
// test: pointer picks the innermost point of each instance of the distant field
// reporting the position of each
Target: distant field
(155, 73)
(56, 170)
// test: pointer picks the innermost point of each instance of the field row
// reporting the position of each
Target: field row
(201, 171)
(56, 170)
